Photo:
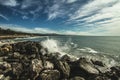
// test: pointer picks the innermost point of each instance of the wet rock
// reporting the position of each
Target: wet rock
(4, 65)
(48, 65)
(64, 68)
(17, 69)
(77, 78)
(87, 66)
(16, 55)
(99, 63)
(37, 65)
(50, 75)
(1, 76)
(116, 70)
(66, 58)
(5, 49)
(7, 46)
(83, 67)
(101, 78)
(31, 61)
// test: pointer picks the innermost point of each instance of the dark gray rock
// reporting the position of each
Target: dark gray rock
(99, 63)
(64, 68)
(77, 78)
(50, 75)
(48, 65)
(87, 66)
(37, 65)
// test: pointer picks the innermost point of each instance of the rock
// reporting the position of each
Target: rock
(66, 58)
(101, 78)
(48, 65)
(64, 68)
(16, 55)
(116, 70)
(83, 67)
(17, 68)
(50, 75)
(4, 65)
(37, 65)
(77, 78)
(7, 46)
(1, 76)
(99, 63)
(87, 66)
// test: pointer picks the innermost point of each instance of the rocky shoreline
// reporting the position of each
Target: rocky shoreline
(31, 61)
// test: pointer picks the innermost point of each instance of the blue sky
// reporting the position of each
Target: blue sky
(79, 17)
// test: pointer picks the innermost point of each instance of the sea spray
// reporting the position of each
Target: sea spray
(53, 47)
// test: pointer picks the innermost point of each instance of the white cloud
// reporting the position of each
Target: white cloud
(25, 17)
(71, 1)
(92, 7)
(29, 3)
(44, 30)
(11, 3)
(4, 17)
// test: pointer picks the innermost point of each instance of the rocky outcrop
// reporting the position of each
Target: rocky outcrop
(30, 61)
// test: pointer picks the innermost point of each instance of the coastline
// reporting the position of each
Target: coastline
(13, 36)
(31, 60)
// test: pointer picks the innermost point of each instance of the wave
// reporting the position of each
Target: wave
(72, 50)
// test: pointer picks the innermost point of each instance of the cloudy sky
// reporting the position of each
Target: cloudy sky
(80, 17)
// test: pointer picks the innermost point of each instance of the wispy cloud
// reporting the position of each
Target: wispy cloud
(11, 3)
(89, 17)
(4, 17)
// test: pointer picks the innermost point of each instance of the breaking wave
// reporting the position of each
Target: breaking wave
(71, 49)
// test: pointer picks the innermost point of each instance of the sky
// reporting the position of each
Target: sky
(77, 17)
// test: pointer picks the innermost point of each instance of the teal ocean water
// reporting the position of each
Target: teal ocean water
(102, 48)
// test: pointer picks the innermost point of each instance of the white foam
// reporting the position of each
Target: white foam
(87, 49)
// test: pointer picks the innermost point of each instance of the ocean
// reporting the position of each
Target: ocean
(104, 48)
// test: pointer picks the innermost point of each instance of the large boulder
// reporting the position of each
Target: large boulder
(50, 75)
(64, 68)
(37, 65)
(83, 67)
(17, 69)
(48, 65)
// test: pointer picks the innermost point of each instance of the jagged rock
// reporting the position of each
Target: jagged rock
(87, 66)
(116, 70)
(77, 78)
(16, 55)
(5, 49)
(83, 67)
(101, 78)
(50, 75)
(31, 61)
(37, 65)
(48, 65)
(99, 63)
(1, 76)
(4, 65)
(8, 47)
(66, 58)
(64, 68)
(17, 68)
